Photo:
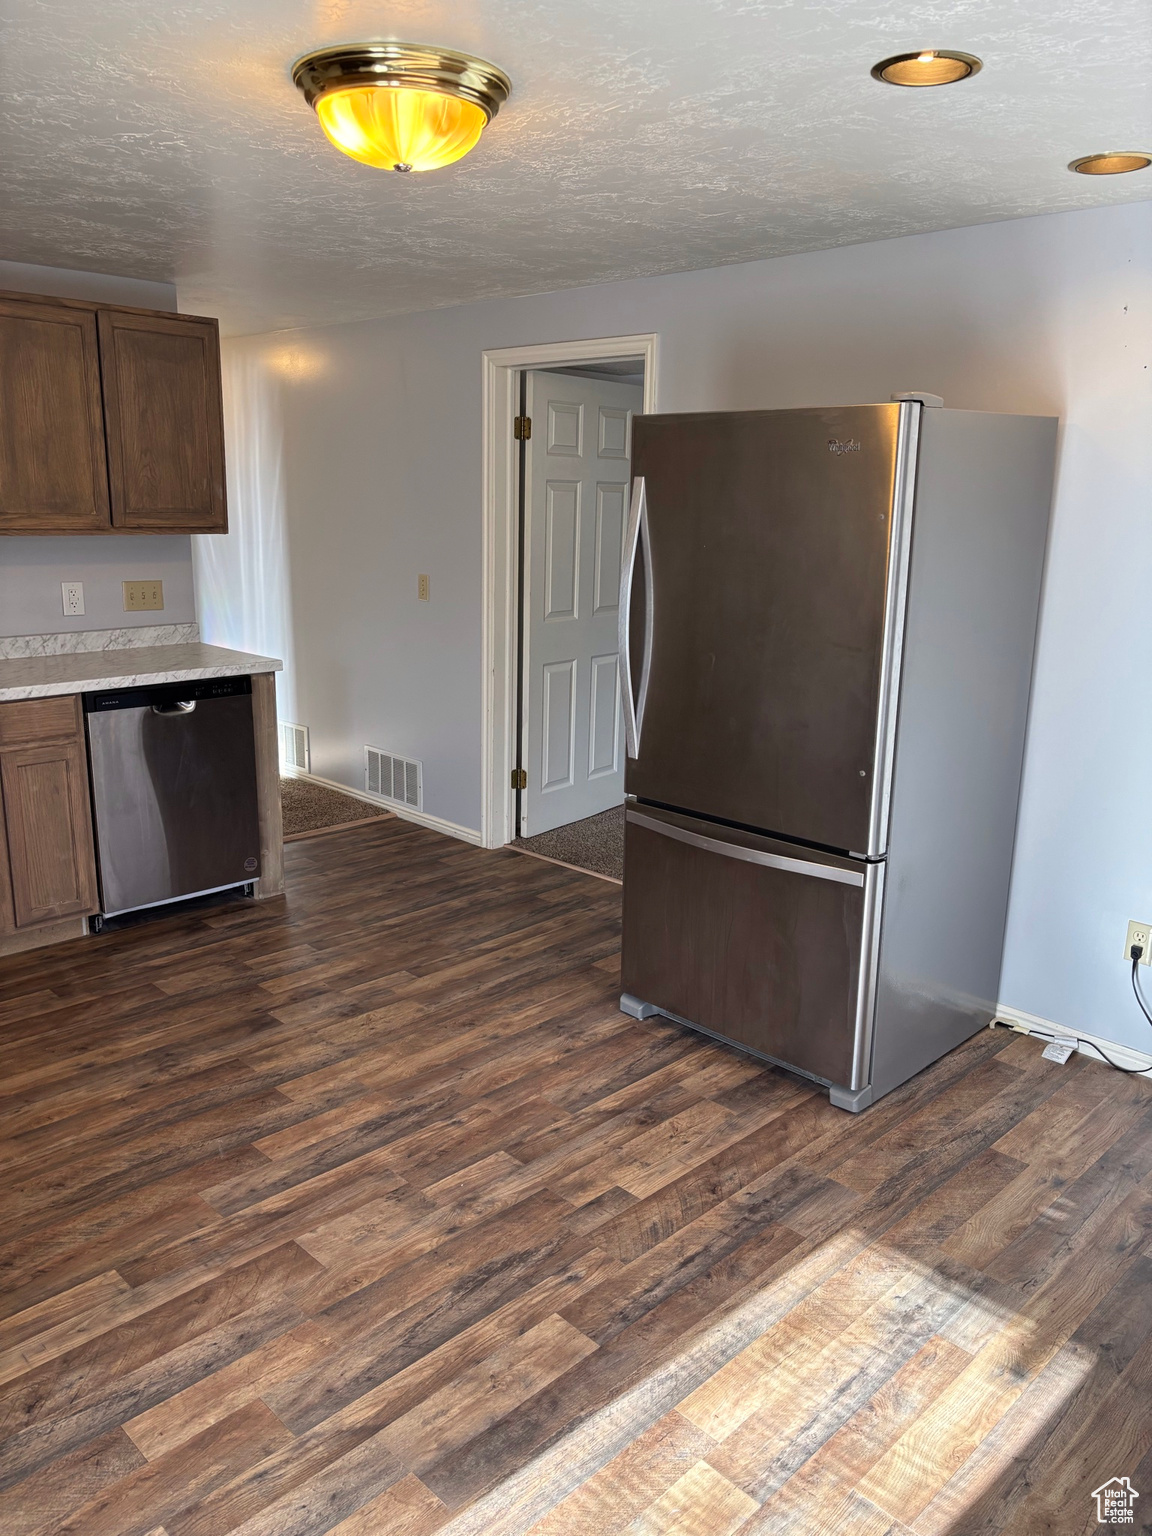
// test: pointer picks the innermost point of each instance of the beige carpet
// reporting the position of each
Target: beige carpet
(312, 807)
(595, 844)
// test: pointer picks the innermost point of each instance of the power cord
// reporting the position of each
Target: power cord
(1134, 955)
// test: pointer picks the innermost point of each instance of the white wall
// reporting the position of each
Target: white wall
(31, 569)
(243, 579)
(355, 456)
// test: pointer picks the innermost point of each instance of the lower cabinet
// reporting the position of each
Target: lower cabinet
(47, 862)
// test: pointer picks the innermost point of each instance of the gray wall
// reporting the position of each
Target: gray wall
(355, 463)
(31, 569)
(100, 287)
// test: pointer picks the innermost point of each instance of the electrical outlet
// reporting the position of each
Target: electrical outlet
(139, 595)
(1139, 933)
(423, 588)
(73, 594)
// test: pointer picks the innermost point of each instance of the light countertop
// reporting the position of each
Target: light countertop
(35, 677)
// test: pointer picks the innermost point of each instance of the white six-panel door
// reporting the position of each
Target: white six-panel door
(578, 482)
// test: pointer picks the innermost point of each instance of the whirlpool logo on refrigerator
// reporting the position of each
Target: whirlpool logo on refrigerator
(843, 445)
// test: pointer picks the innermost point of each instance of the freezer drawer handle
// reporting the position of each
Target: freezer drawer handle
(180, 707)
(748, 855)
(636, 534)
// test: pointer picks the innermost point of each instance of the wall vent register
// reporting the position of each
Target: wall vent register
(395, 778)
(295, 747)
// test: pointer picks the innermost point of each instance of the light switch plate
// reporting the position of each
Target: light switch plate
(139, 595)
(73, 595)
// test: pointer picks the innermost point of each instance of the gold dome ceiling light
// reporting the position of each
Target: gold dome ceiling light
(931, 66)
(1114, 163)
(401, 106)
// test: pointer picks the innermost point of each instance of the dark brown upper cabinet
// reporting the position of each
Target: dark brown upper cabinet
(165, 431)
(110, 420)
(53, 473)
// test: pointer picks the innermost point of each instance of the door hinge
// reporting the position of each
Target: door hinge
(519, 778)
(522, 428)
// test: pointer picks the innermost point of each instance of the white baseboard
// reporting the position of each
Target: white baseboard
(405, 812)
(1091, 1045)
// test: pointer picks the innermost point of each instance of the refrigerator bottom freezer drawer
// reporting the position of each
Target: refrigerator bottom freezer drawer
(760, 942)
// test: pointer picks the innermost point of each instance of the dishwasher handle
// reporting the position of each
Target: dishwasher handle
(180, 707)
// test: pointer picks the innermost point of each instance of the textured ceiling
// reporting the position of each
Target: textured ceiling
(166, 141)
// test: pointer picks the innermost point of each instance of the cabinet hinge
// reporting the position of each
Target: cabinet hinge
(522, 428)
(519, 778)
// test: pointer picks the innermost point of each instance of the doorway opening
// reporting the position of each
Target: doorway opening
(557, 508)
(574, 484)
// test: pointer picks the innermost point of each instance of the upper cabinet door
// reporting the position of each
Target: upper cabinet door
(164, 422)
(53, 476)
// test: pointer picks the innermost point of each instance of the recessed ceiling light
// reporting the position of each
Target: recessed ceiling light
(931, 66)
(401, 106)
(1115, 163)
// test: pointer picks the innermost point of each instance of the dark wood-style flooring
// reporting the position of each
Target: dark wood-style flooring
(370, 1213)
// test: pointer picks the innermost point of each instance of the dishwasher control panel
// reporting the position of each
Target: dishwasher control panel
(167, 693)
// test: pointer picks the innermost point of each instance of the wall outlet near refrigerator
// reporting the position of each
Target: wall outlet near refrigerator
(73, 595)
(1141, 934)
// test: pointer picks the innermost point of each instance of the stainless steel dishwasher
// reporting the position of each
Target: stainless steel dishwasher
(173, 791)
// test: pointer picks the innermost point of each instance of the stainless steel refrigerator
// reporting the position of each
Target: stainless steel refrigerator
(827, 621)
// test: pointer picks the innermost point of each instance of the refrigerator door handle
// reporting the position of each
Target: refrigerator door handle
(748, 855)
(636, 532)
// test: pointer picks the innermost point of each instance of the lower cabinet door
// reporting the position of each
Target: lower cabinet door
(52, 868)
(762, 942)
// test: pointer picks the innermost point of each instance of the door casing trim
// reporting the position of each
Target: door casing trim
(498, 641)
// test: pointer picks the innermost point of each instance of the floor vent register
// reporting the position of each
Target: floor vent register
(396, 778)
(295, 750)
